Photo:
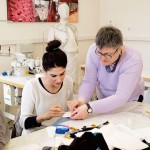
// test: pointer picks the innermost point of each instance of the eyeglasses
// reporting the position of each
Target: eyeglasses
(107, 56)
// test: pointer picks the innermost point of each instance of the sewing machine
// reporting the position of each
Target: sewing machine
(21, 65)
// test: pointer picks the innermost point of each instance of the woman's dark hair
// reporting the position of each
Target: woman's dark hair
(109, 36)
(54, 57)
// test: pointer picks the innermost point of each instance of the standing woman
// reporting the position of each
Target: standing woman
(67, 34)
(45, 98)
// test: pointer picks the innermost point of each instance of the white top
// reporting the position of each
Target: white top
(36, 100)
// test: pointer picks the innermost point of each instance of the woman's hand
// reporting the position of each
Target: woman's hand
(72, 105)
(80, 112)
(55, 111)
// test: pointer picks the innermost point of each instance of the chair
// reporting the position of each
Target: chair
(17, 129)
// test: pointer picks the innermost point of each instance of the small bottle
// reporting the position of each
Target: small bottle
(9, 51)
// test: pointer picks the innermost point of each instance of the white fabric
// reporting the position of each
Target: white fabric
(71, 45)
(36, 100)
(122, 137)
(144, 133)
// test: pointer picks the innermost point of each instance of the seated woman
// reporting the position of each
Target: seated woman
(4, 131)
(46, 98)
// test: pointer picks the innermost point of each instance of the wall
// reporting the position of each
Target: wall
(144, 48)
(132, 18)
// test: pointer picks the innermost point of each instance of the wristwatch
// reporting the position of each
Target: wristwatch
(89, 110)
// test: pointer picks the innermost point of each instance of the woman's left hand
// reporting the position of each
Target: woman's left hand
(55, 111)
(80, 112)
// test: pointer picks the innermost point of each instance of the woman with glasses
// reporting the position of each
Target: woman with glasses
(114, 69)
(44, 99)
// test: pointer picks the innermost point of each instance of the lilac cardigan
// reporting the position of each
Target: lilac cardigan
(113, 89)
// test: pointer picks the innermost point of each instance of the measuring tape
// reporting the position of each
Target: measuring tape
(61, 129)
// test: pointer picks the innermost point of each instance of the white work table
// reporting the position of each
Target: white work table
(131, 115)
(16, 81)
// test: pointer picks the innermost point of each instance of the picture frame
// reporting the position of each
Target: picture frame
(39, 10)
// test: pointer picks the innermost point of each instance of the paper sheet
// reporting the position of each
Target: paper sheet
(67, 114)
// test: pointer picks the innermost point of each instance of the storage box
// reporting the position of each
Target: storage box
(8, 94)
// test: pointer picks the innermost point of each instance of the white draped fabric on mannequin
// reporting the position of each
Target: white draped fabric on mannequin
(67, 34)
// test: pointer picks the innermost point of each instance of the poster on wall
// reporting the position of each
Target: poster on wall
(39, 10)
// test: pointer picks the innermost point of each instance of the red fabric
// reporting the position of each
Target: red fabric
(52, 12)
(21, 10)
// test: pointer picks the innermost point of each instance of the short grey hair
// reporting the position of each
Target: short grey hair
(109, 36)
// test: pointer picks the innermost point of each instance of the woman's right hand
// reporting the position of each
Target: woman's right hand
(55, 111)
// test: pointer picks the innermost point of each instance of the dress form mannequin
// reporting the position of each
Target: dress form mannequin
(67, 34)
